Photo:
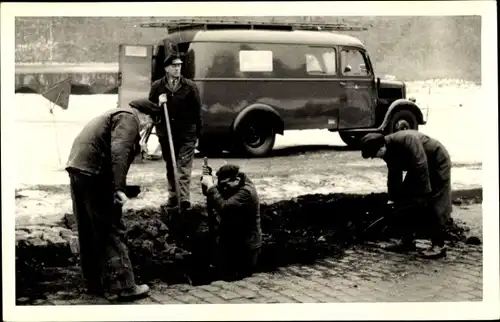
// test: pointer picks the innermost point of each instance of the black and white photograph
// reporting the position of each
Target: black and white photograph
(164, 160)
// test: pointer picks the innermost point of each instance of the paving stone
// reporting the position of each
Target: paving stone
(215, 300)
(290, 293)
(210, 288)
(228, 295)
(200, 293)
(283, 299)
(148, 301)
(267, 293)
(311, 293)
(267, 300)
(250, 286)
(240, 301)
(42, 302)
(187, 299)
(61, 302)
(89, 300)
(165, 298)
(328, 299)
(476, 294)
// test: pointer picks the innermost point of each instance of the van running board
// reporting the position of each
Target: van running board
(358, 131)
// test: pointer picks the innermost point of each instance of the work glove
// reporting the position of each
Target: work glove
(207, 181)
(206, 170)
(120, 198)
(162, 99)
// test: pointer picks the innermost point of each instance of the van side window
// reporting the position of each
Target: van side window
(353, 63)
(321, 61)
(256, 60)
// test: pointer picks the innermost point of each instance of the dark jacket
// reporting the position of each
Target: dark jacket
(184, 108)
(239, 214)
(107, 146)
(423, 158)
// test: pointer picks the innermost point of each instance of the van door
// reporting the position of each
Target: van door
(320, 88)
(358, 90)
(135, 68)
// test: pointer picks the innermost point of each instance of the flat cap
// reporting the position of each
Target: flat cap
(145, 106)
(228, 171)
(371, 143)
(172, 59)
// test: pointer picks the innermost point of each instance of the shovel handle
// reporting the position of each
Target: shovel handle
(172, 155)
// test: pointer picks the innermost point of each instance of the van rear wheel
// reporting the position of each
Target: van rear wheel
(255, 135)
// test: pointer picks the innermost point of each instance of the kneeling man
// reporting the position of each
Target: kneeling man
(235, 203)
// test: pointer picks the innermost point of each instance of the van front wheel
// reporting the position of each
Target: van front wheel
(402, 120)
(255, 135)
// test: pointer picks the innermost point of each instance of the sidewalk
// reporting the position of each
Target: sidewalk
(366, 274)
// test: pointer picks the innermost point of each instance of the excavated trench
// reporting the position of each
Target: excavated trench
(300, 230)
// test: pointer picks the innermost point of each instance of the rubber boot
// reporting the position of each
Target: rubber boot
(403, 246)
(434, 252)
(172, 202)
(136, 293)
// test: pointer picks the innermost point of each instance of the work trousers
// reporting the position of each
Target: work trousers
(434, 214)
(237, 261)
(184, 155)
(104, 256)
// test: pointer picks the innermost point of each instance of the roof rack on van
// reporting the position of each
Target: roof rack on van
(175, 25)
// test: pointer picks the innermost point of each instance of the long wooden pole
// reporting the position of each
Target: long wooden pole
(172, 156)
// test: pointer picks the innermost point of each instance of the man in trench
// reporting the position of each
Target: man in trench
(234, 212)
(184, 109)
(425, 192)
(98, 164)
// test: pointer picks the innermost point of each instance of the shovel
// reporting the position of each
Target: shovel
(172, 156)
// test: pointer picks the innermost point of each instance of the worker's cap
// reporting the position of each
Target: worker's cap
(371, 143)
(228, 171)
(145, 106)
(172, 60)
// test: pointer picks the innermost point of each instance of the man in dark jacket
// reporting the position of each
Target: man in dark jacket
(184, 110)
(97, 166)
(234, 205)
(426, 189)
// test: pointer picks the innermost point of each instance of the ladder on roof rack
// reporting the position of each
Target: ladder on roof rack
(175, 25)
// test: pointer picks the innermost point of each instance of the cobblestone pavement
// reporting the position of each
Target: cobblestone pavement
(365, 274)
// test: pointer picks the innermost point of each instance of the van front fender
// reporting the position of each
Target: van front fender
(262, 108)
(400, 104)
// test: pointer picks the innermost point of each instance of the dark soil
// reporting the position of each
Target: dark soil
(300, 230)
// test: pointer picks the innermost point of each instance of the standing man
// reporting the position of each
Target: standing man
(184, 109)
(98, 165)
(426, 189)
(234, 204)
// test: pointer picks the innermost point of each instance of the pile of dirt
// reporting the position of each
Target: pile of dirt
(302, 229)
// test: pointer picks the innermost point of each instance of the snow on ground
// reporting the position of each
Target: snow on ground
(43, 147)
